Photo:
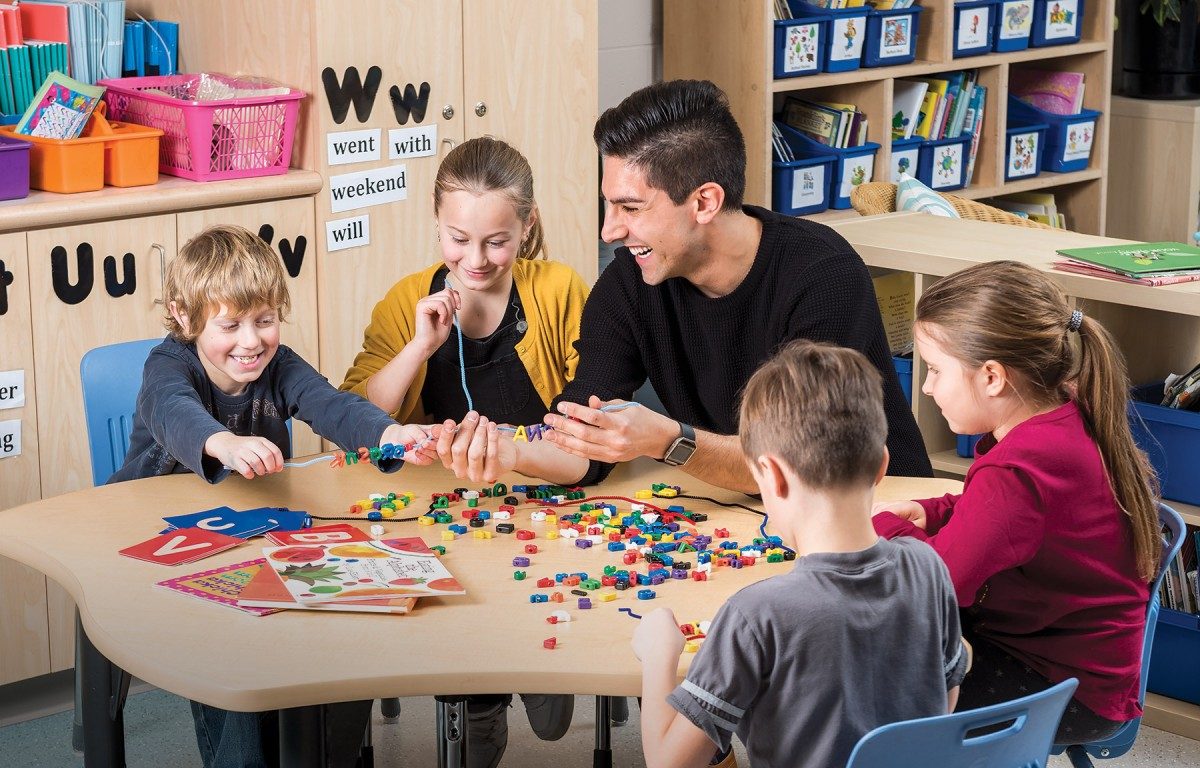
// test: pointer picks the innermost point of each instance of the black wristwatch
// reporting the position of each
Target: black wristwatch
(682, 448)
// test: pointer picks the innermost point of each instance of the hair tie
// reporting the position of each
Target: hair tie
(1075, 322)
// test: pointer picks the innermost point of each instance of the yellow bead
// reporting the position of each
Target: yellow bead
(388, 512)
(425, 520)
(552, 519)
(608, 597)
(691, 646)
(552, 534)
(644, 494)
(669, 493)
(448, 536)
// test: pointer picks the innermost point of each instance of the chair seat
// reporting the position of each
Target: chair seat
(876, 197)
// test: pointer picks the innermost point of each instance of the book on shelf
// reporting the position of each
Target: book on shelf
(61, 108)
(979, 100)
(1037, 206)
(1083, 268)
(1059, 93)
(782, 11)
(781, 149)
(907, 97)
(1162, 259)
(830, 123)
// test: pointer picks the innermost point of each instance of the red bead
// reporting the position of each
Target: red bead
(608, 581)
(630, 557)
(545, 582)
(525, 535)
(550, 642)
(699, 576)
(721, 533)
(531, 549)
(469, 513)
(507, 508)
(552, 619)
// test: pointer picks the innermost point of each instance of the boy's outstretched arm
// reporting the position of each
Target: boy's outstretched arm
(668, 738)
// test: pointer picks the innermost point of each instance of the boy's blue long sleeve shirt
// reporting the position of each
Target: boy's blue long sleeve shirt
(178, 409)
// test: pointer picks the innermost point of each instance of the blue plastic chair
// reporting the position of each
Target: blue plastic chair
(1122, 741)
(944, 740)
(111, 377)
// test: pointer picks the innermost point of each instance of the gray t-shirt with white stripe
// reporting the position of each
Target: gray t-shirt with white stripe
(802, 665)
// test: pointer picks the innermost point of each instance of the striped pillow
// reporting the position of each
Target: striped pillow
(912, 195)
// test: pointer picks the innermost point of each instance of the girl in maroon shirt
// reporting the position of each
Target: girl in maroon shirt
(1055, 537)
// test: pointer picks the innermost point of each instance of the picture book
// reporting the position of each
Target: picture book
(1060, 93)
(355, 570)
(818, 122)
(61, 108)
(907, 98)
(929, 106)
(266, 590)
(1139, 259)
(222, 586)
(1082, 268)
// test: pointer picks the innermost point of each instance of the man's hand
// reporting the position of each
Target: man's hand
(657, 640)
(249, 456)
(476, 450)
(410, 434)
(610, 436)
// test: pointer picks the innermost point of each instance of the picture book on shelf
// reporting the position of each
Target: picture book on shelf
(363, 569)
(906, 107)
(61, 108)
(1139, 259)
(1083, 268)
(223, 585)
(1059, 93)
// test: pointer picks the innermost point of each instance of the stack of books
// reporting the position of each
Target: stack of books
(1035, 206)
(835, 125)
(1137, 263)
(1179, 589)
(1059, 93)
(948, 106)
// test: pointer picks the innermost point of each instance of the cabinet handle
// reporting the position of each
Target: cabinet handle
(480, 109)
(448, 144)
(162, 270)
(448, 112)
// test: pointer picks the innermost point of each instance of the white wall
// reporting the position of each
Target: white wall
(630, 47)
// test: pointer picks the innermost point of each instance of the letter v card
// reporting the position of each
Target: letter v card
(185, 545)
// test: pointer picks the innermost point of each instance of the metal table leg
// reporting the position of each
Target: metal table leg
(452, 731)
(102, 700)
(602, 755)
(302, 737)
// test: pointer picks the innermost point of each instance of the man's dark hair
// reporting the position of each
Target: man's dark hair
(681, 134)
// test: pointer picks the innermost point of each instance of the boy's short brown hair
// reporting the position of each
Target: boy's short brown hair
(819, 408)
(222, 265)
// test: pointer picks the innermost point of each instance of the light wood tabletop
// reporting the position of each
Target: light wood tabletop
(489, 641)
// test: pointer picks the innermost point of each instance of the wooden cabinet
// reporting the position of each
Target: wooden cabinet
(731, 43)
(1154, 190)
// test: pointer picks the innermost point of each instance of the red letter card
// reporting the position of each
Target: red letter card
(322, 534)
(184, 545)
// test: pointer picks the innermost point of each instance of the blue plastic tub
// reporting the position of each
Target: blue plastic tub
(845, 33)
(1069, 138)
(943, 163)
(891, 37)
(1012, 23)
(800, 46)
(973, 27)
(1023, 150)
(903, 367)
(851, 167)
(906, 155)
(801, 187)
(1171, 437)
(1056, 22)
(1175, 658)
(965, 445)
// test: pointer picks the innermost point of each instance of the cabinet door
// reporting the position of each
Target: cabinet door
(533, 65)
(90, 285)
(23, 627)
(289, 226)
(412, 43)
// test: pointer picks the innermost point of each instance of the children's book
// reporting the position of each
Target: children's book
(1139, 259)
(362, 569)
(907, 98)
(818, 122)
(1081, 268)
(267, 591)
(61, 108)
(222, 586)
(1060, 93)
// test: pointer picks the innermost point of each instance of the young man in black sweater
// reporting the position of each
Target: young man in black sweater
(704, 291)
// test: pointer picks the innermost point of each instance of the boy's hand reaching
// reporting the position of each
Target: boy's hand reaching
(411, 434)
(657, 640)
(248, 456)
(905, 510)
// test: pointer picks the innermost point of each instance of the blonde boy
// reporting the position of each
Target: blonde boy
(861, 631)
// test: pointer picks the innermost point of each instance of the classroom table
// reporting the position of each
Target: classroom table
(488, 641)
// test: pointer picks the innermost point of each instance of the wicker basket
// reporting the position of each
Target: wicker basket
(877, 197)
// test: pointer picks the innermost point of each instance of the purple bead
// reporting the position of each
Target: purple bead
(583, 543)
(585, 603)
(520, 562)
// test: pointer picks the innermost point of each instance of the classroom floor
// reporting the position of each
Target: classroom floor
(159, 734)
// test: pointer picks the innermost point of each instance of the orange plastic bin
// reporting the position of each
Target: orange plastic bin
(126, 157)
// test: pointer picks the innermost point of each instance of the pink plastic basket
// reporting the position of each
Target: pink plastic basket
(209, 140)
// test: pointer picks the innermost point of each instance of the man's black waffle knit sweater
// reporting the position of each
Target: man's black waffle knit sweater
(806, 283)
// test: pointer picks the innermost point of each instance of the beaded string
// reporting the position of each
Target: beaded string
(371, 455)
(535, 431)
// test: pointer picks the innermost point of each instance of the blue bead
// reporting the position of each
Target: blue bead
(375, 515)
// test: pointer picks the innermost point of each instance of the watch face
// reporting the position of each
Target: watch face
(680, 451)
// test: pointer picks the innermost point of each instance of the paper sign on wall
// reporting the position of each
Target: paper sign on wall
(412, 142)
(10, 438)
(347, 233)
(352, 146)
(364, 188)
(12, 389)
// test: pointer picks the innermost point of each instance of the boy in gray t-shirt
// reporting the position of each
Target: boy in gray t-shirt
(862, 632)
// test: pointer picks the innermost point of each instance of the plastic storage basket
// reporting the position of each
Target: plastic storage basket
(801, 187)
(845, 30)
(14, 168)
(1013, 21)
(1056, 22)
(943, 163)
(891, 37)
(123, 158)
(1175, 660)
(1171, 438)
(965, 445)
(1023, 150)
(903, 366)
(906, 155)
(851, 167)
(800, 45)
(224, 138)
(1069, 138)
(973, 22)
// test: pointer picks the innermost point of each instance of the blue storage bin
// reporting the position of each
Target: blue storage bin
(1012, 23)
(801, 187)
(965, 446)
(943, 163)
(1023, 150)
(891, 37)
(851, 167)
(903, 366)
(1171, 437)
(1069, 138)
(1056, 22)
(1175, 658)
(973, 27)
(800, 46)
(844, 35)
(906, 154)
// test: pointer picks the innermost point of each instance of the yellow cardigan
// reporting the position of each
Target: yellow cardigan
(552, 296)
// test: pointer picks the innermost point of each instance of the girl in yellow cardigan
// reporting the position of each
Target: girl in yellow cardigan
(517, 321)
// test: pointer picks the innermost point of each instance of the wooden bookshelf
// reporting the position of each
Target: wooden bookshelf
(730, 42)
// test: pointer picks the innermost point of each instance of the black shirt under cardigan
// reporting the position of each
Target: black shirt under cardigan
(806, 282)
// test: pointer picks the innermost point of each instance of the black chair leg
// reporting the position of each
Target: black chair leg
(602, 754)
(1079, 757)
(390, 709)
(620, 711)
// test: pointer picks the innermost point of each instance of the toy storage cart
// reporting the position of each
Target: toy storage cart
(215, 127)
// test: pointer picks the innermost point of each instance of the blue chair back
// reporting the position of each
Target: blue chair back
(1121, 742)
(111, 376)
(944, 740)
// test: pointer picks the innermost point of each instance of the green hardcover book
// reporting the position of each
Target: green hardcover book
(1139, 259)
(7, 103)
